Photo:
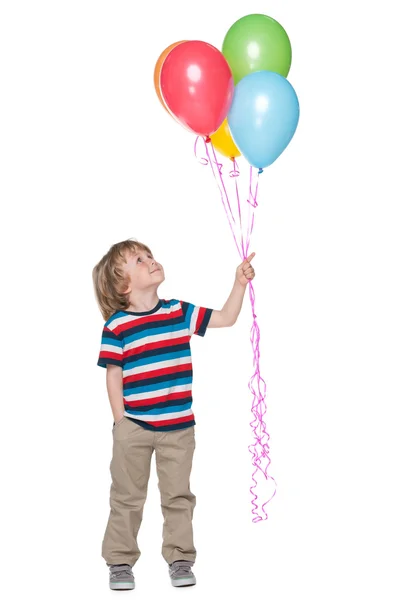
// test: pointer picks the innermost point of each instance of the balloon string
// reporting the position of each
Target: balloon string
(236, 171)
(253, 196)
(260, 448)
(219, 166)
(222, 189)
(251, 201)
(258, 409)
(202, 160)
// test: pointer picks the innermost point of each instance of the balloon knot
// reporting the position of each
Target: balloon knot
(208, 139)
(260, 171)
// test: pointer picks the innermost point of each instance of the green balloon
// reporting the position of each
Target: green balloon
(257, 43)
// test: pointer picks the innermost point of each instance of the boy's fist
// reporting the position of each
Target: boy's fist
(245, 272)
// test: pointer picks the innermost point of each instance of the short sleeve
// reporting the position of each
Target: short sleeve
(196, 318)
(111, 349)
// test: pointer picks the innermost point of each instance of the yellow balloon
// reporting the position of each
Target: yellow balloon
(223, 142)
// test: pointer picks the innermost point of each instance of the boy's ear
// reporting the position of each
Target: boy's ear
(129, 288)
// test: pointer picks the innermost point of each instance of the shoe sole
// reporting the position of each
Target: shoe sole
(185, 581)
(121, 585)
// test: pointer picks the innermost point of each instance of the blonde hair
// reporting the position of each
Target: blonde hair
(110, 280)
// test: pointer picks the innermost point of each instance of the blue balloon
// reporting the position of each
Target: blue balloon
(263, 116)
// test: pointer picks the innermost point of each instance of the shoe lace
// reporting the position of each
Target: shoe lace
(181, 568)
(117, 571)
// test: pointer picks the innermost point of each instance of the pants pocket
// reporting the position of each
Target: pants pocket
(116, 425)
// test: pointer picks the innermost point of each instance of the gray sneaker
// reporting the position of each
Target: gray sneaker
(121, 577)
(181, 574)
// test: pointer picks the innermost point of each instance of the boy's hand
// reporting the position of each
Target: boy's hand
(117, 421)
(245, 272)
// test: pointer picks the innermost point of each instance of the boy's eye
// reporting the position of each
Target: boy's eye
(141, 259)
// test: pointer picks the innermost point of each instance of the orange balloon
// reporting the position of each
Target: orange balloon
(157, 71)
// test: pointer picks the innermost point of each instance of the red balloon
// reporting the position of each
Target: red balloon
(196, 83)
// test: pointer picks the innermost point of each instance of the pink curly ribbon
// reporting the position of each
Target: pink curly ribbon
(260, 448)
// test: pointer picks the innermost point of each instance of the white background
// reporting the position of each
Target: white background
(89, 158)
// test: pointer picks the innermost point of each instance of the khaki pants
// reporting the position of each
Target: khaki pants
(130, 470)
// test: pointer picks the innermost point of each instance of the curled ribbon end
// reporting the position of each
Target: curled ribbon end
(260, 171)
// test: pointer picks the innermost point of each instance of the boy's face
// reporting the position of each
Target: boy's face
(143, 270)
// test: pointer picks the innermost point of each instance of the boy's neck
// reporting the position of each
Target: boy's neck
(144, 305)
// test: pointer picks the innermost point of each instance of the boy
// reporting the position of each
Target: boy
(145, 348)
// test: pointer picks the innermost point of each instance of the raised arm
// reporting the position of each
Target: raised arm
(232, 307)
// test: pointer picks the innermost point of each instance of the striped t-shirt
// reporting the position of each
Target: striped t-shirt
(153, 349)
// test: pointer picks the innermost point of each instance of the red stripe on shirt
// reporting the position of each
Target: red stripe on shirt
(186, 394)
(158, 373)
